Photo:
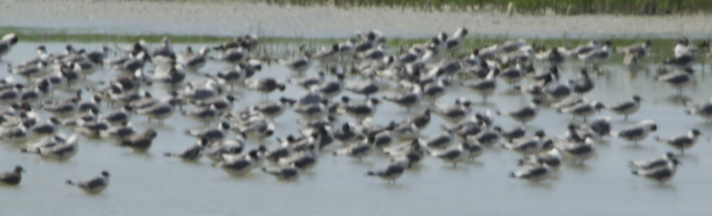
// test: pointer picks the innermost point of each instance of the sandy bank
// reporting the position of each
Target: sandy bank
(226, 19)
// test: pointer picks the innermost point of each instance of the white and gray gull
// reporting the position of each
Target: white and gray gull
(93, 185)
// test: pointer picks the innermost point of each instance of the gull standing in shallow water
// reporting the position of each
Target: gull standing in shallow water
(682, 142)
(678, 80)
(93, 185)
(626, 108)
(652, 163)
(485, 86)
(703, 110)
(636, 132)
(12, 178)
(391, 172)
(523, 114)
(661, 174)
(536, 173)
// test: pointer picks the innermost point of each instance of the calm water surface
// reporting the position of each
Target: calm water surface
(150, 184)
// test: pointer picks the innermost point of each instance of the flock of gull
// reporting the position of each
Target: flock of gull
(234, 138)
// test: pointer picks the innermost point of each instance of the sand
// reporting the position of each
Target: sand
(234, 18)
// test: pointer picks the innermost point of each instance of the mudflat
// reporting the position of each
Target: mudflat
(231, 18)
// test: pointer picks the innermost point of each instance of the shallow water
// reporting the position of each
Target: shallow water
(149, 184)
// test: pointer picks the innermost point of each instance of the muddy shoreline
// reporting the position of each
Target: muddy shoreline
(233, 18)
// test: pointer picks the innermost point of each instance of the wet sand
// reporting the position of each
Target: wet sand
(233, 18)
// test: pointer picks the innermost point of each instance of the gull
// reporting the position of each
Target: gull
(159, 111)
(457, 41)
(454, 155)
(345, 134)
(434, 90)
(307, 82)
(297, 65)
(190, 153)
(449, 68)
(12, 178)
(523, 114)
(122, 132)
(93, 185)
(479, 70)
(366, 44)
(681, 142)
(467, 127)
(679, 79)
(553, 71)
(283, 173)
(485, 119)
(38, 93)
(118, 117)
(580, 151)
(257, 128)
(211, 134)
(327, 55)
(232, 146)
(551, 158)
(531, 145)
(163, 50)
(391, 172)
(195, 62)
(626, 108)
(265, 85)
(661, 174)
(407, 100)
(234, 76)
(556, 91)
(536, 173)
(703, 110)
(141, 142)
(513, 75)
(584, 109)
(273, 110)
(45, 129)
(333, 88)
(652, 163)
(221, 104)
(554, 56)
(487, 138)
(6, 43)
(374, 54)
(455, 113)
(62, 109)
(233, 56)
(55, 147)
(583, 84)
(634, 52)
(486, 86)
(636, 132)
(11, 95)
(442, 140)
(585, 49)
(421, 120)
(32, 71)
(361, 111)
(93, 128)
(358, 149)
(240, 166)
(303, 160)
(598, 128)
(366, 88)
(598, 55)
(406, 131)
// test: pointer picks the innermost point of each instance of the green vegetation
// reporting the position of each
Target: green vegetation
(633, 7)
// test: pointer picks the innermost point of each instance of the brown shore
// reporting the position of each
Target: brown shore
(233, 18)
